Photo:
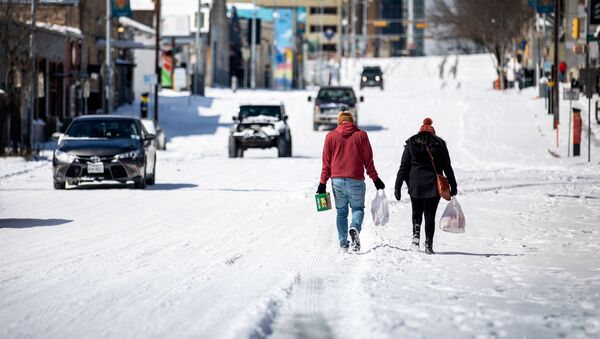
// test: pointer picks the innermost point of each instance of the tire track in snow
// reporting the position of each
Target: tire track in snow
(301, 317)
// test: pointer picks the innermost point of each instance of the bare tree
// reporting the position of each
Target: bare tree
(14, 67)
(494, 24)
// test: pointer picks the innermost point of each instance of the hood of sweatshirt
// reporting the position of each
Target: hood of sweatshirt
(346, 129)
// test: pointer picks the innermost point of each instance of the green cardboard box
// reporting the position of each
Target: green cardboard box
(323, 202)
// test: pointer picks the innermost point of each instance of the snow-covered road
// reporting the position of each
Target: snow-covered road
(233, 248)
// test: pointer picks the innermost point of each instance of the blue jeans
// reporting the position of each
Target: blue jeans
(347, 191)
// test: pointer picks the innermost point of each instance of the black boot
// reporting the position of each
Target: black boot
(355, 239)
(416, 237)
(429, 247)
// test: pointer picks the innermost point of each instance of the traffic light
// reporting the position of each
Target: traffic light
(380, 23)
(575, 32)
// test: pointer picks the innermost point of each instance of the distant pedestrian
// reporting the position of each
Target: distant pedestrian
(423, 152)
(346, 154)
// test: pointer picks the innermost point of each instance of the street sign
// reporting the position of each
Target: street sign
(571, 93)
(595, 12)
(545, 6)
(175, 26)
(150, 79)
(121, 8)
(589, 79)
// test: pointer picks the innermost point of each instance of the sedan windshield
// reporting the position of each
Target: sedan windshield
(104, 129)
(254, 111)
(336, 94)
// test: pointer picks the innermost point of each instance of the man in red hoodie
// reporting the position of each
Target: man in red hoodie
(346, 154)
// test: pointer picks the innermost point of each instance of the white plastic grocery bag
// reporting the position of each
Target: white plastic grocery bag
(380, 208)
(453, 219)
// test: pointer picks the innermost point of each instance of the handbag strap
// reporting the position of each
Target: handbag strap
(431, 157)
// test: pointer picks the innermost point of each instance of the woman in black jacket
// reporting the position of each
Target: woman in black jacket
(417, 170)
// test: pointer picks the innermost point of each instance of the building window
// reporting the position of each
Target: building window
(324, 10)
(329, 48)
(317, 28)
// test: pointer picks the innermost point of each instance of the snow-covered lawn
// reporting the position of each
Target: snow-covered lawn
(234, 248)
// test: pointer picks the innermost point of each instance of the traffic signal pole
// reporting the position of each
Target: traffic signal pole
(555, 88)
(157, 57)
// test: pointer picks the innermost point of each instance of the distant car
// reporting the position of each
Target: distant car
(371, 76)
(329, 102)
(260, 126)
(104, 147)
(154, 128)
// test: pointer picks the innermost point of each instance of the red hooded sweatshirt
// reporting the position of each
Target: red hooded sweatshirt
(346, 153)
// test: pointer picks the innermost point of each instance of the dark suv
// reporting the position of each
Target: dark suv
(328, 103)
(371, 76)
(104, 147)
(260, 126)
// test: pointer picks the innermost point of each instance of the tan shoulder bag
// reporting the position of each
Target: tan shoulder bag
(443, 186)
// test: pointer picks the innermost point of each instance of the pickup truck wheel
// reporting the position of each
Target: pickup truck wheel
(284, 147)
(233, 149)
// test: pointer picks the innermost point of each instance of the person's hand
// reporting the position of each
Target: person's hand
(453, 190)
(397, 194)
(379, 184)
(322, 188)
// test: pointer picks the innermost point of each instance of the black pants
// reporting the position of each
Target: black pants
(427, 207)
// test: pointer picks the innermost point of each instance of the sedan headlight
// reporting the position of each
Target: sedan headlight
(133, 155)
(64, 156)
(364, 78)
(317, 109)
(377, 78)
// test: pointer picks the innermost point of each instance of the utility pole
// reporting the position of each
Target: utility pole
(108, 60)
(352, 29)
(200, 51)
(157, 56)
(29, 129)
(253, 48)
(588, 75)
(365, 38)
(555, 88)
(536, 41)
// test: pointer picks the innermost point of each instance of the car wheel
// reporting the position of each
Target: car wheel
(59, 185)
(232, 147)
(151, 180)
(289, 149)
(240, 152)
(141, 183)
(315, 126)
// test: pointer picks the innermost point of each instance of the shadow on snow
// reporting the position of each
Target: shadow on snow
(29, 222)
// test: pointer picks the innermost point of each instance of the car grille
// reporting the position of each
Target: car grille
(73, 171)
(106, 174)
(118, 172)
(88, 158)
